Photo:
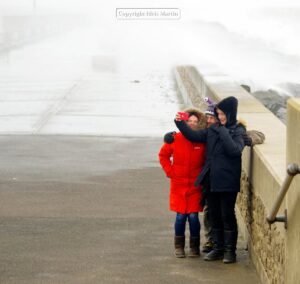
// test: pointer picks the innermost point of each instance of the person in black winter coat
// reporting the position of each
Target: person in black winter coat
(221, 174)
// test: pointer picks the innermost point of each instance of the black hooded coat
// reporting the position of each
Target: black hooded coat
(224, 149)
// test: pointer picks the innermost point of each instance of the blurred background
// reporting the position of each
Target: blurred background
(72, 67)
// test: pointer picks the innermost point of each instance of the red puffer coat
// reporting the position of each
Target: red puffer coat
(182, 161)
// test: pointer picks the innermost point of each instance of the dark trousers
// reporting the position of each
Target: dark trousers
(221, 209)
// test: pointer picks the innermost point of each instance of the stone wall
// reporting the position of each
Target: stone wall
(267, 242)
(191, 86)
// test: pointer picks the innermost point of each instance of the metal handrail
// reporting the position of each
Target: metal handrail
(292, 170)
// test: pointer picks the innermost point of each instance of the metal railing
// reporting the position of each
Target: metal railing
(292, 170)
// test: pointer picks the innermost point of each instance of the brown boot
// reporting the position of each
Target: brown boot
(179, 242)
(194, 247)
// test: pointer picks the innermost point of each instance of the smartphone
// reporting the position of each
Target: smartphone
(183, 115)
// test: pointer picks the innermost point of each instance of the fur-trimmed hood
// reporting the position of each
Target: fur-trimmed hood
(201, 116)
(242, 122)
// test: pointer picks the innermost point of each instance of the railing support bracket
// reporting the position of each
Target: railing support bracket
(292, 170)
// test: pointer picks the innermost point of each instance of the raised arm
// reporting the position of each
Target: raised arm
(192, 135)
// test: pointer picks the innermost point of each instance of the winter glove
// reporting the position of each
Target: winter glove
(169, 137)
(247, 140)
(256, 137)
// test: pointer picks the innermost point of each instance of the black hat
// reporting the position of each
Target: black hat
(229, 107)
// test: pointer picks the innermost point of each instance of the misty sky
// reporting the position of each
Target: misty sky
(262, 35)
(192, 8)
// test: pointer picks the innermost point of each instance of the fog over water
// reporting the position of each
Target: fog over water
(255, 42)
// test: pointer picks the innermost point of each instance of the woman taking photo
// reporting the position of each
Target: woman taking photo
(221, 174)
(182, 161)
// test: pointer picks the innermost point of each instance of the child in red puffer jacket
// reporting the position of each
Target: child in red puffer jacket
(182, 161)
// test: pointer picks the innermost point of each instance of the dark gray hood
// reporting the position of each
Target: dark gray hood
(229, 107)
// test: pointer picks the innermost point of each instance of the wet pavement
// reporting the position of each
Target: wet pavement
(93, 210)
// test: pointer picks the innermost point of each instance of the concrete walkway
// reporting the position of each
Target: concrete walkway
(93, 210)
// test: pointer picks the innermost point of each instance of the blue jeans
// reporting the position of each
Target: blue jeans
(194, 224)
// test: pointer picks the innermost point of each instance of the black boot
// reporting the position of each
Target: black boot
(218, 249)
(179, 242)
(230, 239)
(194, 247)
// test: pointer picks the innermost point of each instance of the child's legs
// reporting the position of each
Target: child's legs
(180, 224)
(194, 224)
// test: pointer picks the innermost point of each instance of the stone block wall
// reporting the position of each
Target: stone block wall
(267, 242)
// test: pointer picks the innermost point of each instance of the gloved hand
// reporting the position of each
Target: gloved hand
(256, 136)
(247, 140)
(169, 137)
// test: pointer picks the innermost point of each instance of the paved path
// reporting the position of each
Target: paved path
(93, 210)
